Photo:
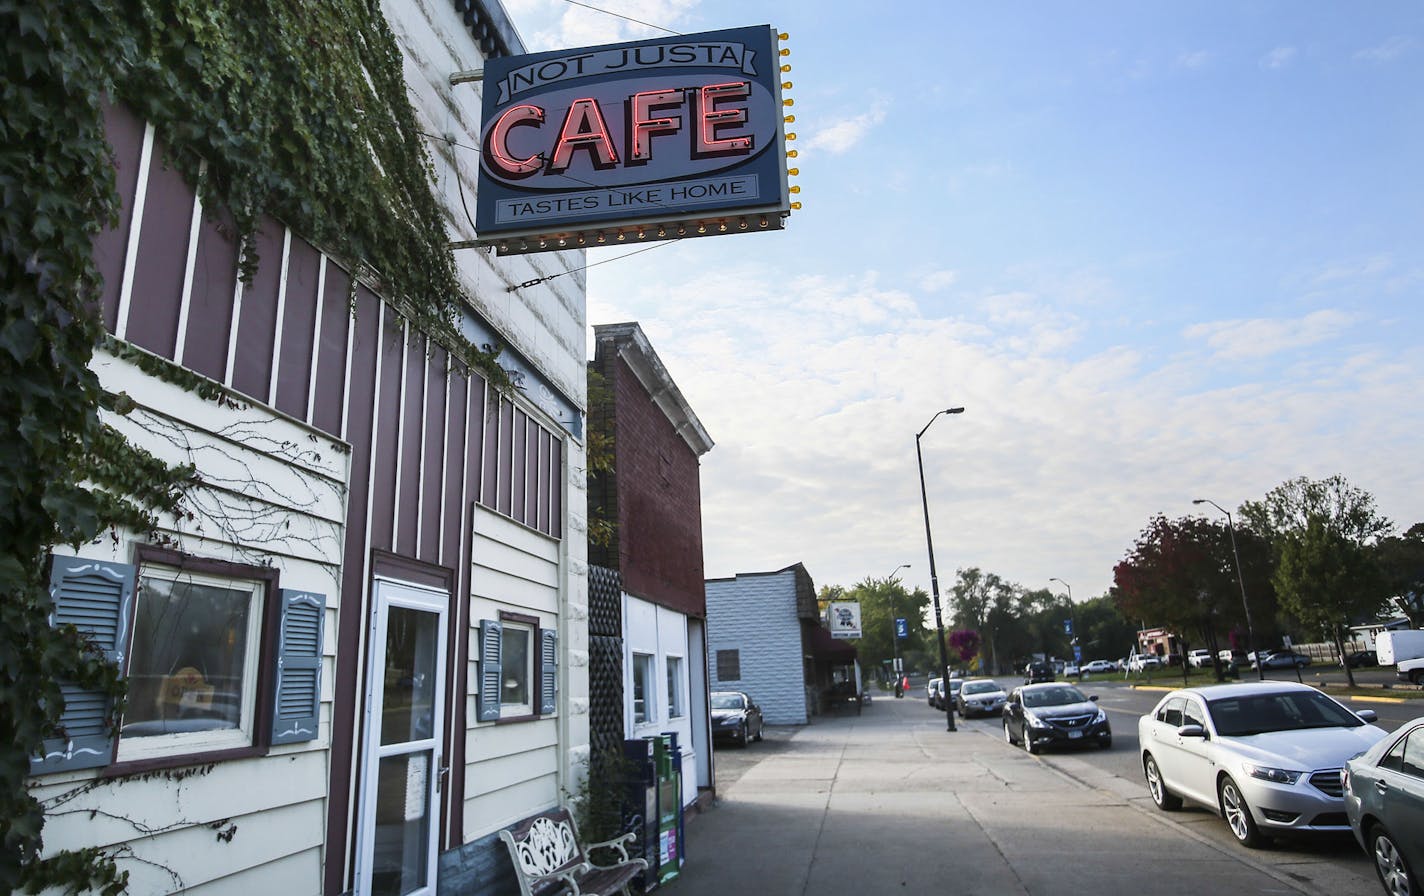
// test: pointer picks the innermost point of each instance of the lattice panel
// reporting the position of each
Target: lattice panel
(605, 602)
(605, 683)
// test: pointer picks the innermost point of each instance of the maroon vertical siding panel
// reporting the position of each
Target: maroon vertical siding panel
(455, 486)
(517, 490)
(298, 329)
(531, 474)
(346, 708)
(541, 500)
(556, 490)
(490, 466)
(257, 325)
(453, 491)
(383, 492)
(327, 410)
(210, 303)
(412, 420)
(125, 134)
(432, 493)
(505, 495)
(162, 258)
(475, 443)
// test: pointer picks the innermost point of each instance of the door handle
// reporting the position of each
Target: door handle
(1381, 786)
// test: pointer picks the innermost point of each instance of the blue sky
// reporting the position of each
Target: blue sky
(1157, 250)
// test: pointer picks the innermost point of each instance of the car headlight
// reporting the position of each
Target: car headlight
(1274, 775)
(1034, 721)
(1100, 718)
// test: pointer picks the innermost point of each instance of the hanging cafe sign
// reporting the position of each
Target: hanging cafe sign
(635, 142)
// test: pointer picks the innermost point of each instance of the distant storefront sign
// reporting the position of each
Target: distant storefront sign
(844, 619)
(625, 143)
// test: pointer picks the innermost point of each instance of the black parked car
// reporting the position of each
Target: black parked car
(735, 716)
(1039, 715)
(1361, 658)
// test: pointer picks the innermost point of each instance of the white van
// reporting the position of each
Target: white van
(1398, 645)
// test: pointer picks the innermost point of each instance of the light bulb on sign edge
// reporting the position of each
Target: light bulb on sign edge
(795, 189)
(788, 102)
(783, 36)
(793, 171)
(785, 52)
(742, 224)
(791, 153)
(786, 85)
(786, 69)
(789, 119)
(796, 206)
(790, 135)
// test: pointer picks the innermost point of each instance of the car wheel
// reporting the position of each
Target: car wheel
(1009, 734)
(1393, 870)
(1163, 798)
(1417, 677)
(1029, 745)
(1238, 816)
(761, 726)
(746, 735)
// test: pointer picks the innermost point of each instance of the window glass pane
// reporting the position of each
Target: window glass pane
(642, 686)
(729, 665)
(1414, 754)
(515, 662)
(1193, 715)
(188, 661)
(401, 842)
(674, 686)
(408, 704)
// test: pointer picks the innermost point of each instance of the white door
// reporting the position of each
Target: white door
(401, 761)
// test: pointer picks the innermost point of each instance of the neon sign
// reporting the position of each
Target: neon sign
(632, 140)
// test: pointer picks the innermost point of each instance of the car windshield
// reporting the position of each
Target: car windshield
(981, 687)
(955, 685)
(1058, 696)
(728, 701)
(1286, 711)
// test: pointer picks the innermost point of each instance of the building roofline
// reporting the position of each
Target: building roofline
(632, 345)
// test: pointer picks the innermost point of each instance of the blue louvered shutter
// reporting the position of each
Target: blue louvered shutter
(548, 669)
(98, 599)
(296, 710)
(491, 674)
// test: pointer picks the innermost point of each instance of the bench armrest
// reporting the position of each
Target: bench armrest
(569, 877)
(618, 843)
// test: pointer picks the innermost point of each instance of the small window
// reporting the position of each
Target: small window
(1192, 714)
(1171, 714)
(642, 687)
(729, 665)
(516, 661)
(674, 688)
(1413, 763)
(193, 664)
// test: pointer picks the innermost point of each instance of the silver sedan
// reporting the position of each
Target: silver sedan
(1266, 755)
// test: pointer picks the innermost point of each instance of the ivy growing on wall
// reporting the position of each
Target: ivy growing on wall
(295, 109)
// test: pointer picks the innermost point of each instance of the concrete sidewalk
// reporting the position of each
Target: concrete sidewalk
(889, 802)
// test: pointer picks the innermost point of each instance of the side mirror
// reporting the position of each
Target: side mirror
(1093, 697)
(1191, 731)
(1368, 715)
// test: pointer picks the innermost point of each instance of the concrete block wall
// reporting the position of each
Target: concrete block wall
(755, 613)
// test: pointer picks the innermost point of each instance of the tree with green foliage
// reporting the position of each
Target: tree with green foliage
(1326, 535)
(1401, 560)
(985, 602)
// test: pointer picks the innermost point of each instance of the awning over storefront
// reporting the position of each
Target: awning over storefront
(827, 649)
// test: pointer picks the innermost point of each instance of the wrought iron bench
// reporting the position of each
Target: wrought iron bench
(548, 859)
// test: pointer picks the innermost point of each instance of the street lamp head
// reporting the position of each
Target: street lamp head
(1199, 500)
(954, 410)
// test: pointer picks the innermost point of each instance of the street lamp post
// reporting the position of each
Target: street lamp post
(894, 630)
(1072, 623)
(1241, 580)
(934, 579)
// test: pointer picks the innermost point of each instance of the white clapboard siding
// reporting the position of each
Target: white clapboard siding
(493, 741)
(494, 775)
(313, 451)
(509, 805)
(298, 873)
(198, 856)
(126, 808)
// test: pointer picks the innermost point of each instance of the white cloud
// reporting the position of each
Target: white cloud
(1193, 59)
(1264, 337)
(937, 281)
(1279, 58)
(552, 24)
(1388, 51)
(843, 134)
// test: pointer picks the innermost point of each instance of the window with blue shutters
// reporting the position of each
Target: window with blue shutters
(218, 661)
(518, 669)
